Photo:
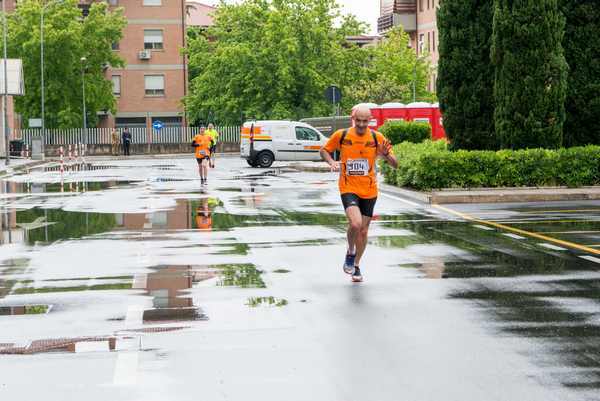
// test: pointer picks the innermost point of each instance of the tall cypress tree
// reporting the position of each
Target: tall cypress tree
(465, 74)
(531, 73)
(582, 52)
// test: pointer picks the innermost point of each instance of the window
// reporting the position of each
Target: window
(428, 41)
(428, 4)
(153, 2)
(154, 85)
(421, 44)
(113, 2)
(306, 134)
(153, 39)
(421, 5)
(433, 48)
(115, 46)
(116, 82)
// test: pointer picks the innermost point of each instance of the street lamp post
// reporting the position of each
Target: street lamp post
(42, 62)
(83, 60)
(5, 94)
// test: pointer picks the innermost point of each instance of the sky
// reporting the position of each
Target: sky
(365, 10)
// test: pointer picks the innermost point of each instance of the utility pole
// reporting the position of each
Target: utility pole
(5, 95)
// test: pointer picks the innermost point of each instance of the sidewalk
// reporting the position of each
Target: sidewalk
(18, 164)
(478, 195)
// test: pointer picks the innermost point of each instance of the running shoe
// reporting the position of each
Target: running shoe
(356, 276)
(349, 264)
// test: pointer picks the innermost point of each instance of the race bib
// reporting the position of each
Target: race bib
(357, 167)
(203, 152)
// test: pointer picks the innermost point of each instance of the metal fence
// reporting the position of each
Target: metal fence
(102, 136)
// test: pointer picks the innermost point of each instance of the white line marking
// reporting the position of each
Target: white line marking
(126, 368)
(591, 258)
(400, 199)
(515, 236)
(483, 227)
(553, 247)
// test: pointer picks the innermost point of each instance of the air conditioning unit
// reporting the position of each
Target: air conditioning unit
(144, 55)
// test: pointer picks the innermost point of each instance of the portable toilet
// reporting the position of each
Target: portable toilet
(437, 126)
(392, 112)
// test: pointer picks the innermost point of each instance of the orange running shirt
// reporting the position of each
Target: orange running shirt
(358, 154)
(203, 148)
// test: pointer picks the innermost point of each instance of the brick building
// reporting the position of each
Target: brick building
(154, 80)
(418, 19)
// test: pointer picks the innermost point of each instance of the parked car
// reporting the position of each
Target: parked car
(263, 142)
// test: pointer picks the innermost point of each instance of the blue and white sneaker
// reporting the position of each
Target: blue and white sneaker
(349, 264)
(356, 276)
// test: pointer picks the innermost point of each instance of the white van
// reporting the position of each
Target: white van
(263, 142)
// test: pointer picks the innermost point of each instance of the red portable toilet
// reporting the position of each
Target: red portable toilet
(393, 111)
(437, 126)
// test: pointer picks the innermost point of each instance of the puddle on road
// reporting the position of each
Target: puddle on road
(24, 310)
(167, 286)
(240, 275)
(559, 314)
(255, 302)
(282, 271)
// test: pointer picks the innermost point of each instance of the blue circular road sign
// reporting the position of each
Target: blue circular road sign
(158, 125)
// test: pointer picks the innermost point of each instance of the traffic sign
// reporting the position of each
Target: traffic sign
(333, 94)
(158, 125)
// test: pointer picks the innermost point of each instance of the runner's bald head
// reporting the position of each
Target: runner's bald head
(362, 116)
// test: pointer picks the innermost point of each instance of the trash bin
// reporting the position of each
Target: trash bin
(15, 147)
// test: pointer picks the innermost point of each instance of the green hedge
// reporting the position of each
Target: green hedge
(400, 131)
(431, 165)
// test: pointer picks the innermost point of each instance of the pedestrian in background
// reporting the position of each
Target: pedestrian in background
(214, 138)
(126, 141)
(115, 140)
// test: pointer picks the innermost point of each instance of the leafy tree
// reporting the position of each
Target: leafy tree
(389, 71)
(271, 59)
(465, 75)
(582, 49)
(530, 73)
(67, 38)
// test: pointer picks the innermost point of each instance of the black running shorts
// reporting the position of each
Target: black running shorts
(366, 206)
(213, 149)
(199, 159)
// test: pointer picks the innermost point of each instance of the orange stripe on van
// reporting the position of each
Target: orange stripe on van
(256, 130)
(312, 147)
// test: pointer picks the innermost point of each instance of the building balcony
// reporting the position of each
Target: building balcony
(408, 21)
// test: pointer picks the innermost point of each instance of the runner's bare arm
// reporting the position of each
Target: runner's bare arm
(325, 155)
(385, 151)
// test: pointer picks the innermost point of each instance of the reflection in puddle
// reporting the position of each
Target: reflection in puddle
(242, 275)
(281, 271)
(25, 310)
(166, 286)
(96, 287)
(254, 302)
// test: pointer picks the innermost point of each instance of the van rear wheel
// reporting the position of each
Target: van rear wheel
(265, 159)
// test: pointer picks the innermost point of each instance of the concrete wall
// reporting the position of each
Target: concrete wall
(139, 149)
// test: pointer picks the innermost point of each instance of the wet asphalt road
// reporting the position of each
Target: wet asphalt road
(130, 282)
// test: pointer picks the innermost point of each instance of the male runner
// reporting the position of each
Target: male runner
(359, 148)
(214, 136)
(202, 144)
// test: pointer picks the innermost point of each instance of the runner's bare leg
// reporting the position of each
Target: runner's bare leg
(354, 227)
(361, 240)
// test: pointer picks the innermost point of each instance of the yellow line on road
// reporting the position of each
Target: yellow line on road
(519, 231)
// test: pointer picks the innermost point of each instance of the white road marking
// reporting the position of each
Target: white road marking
(553, 247)
(414, 204)
(591, 258)
(515, 236)
(126, 368)
(483, 227)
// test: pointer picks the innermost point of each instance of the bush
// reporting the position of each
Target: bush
(431, 165)
(400, 131)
